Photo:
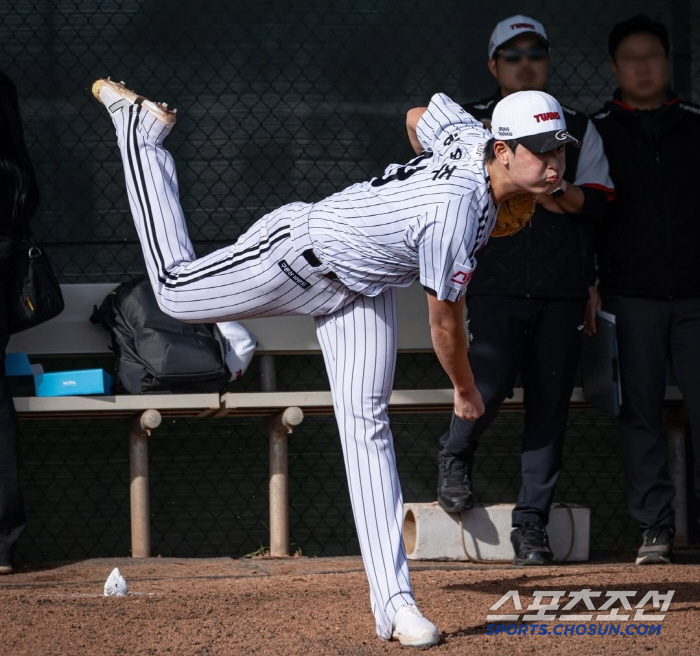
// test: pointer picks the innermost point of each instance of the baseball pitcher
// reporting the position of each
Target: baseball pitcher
(340, 260)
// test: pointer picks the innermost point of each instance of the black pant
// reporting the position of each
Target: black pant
(541, 340)
(12, 515)
(649, 331)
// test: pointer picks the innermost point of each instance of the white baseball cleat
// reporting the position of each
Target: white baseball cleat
(411, 629)
(115, 96)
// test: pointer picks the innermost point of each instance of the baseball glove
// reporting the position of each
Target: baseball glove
(513, 214)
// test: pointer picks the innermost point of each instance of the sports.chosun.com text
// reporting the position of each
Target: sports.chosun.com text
(574, 629)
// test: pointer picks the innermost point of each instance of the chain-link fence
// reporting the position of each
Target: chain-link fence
(278, 101)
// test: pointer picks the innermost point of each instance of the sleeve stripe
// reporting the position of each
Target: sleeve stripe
(609, 191)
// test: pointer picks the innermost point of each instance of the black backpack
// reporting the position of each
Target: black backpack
(156, 353)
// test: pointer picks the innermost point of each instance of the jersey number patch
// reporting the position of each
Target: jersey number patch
(403, 172)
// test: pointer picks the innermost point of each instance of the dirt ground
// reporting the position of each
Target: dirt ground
(292, 606)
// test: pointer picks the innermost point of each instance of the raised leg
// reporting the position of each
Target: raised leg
(263, 274)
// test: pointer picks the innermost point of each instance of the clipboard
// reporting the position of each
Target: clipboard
(600, 369)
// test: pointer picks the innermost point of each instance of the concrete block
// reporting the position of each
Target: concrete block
(483, 533)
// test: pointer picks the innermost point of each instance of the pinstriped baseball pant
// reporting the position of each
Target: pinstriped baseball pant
(247, 279)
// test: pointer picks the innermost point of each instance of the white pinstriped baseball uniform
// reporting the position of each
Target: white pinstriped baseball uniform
(339, 260)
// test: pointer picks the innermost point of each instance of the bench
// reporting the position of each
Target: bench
(71, 334)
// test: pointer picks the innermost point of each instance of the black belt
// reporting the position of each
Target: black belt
(313, 260)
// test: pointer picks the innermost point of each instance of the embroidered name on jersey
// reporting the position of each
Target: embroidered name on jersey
(293, 275)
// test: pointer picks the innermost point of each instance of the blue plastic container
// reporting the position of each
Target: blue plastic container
(73, 383)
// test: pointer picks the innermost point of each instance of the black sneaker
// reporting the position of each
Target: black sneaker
(454, 483)
(531, 545)
(657, 546)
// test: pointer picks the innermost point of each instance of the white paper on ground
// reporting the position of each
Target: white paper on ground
(116, 584)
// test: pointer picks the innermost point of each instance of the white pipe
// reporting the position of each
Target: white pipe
(483, 533)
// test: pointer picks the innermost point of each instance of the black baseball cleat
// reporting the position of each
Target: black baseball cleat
(531, 545)
(454, 483)
(657, 546)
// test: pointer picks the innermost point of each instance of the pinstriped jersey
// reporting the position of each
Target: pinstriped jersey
(426, 218)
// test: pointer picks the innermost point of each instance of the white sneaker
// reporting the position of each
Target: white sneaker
(115, 96)
(411, 629)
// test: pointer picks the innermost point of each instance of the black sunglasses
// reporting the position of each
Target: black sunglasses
(514, 55)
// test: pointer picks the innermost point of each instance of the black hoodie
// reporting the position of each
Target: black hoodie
(19, 194)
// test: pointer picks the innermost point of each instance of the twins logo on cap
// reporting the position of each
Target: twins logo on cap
(534, 118)
(514, 26)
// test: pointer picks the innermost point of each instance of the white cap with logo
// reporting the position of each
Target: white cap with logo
(514, 26)
(534, 118)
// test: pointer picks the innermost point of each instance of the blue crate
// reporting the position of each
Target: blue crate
(73, 383)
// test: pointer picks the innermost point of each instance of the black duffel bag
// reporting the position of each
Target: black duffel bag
(154, 351)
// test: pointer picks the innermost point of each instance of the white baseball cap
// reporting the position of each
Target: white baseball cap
(534, 118)
(514, 26)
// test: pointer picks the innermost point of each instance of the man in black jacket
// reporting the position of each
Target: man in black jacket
(19, 197)
(526, 304)
(647, 252)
